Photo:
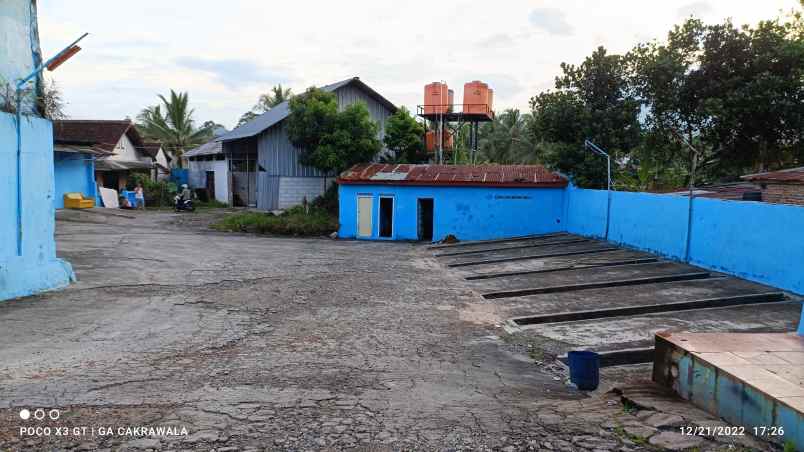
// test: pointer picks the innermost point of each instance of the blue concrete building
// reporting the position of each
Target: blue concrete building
(74, 172)
(28, 262)
(430, 202)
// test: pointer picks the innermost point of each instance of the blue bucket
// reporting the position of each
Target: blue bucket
(584, 369)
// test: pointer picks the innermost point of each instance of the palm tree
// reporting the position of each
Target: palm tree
(507, 140)
(174, 128)
(275, 97)
(266, 102)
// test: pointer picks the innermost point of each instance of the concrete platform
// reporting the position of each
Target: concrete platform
(584, 292)
(752, 380)
(639, 331)
(612, 297)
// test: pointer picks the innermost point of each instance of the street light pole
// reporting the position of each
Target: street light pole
(693, 167)
(597, 150)
(51, 65)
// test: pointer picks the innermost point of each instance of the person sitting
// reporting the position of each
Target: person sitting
(124, 204)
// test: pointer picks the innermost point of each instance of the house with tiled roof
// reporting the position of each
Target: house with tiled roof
(780, 187)
(114, 148)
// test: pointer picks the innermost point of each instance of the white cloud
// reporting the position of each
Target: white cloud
(551, 20)
(698, 9)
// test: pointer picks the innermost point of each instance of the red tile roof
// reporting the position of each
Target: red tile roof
(99, 134)
(452, 175)
(794, 175)
(152, 148)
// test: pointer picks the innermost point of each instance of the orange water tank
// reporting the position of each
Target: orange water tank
(437, 98)
(431, 140)
(491, 101)
(476, 98)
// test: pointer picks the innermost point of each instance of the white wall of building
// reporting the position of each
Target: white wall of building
(292, 190)
(198, 176)
(125, 150)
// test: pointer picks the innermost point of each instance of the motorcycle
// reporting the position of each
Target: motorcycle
(183, 205)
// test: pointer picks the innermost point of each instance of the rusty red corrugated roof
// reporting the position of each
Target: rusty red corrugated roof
(788, 175)
(455, 175)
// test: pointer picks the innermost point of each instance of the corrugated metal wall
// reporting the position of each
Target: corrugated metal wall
(280, 158)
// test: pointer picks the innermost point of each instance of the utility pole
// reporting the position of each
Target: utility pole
(597, 150)
(51, 65)
(693, 167)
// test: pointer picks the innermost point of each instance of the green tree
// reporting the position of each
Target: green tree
(266, 102)
(590, 101)
(403, 138)
(175, 127)
(331, 140)
(736, 94)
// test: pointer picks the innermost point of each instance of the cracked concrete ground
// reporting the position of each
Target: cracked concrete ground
(260, 343)
(264, 343)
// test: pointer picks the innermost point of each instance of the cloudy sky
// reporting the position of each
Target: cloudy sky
(226, 53)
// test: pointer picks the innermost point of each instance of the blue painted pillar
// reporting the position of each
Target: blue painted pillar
(801, 322)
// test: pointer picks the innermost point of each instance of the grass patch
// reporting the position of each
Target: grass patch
(295, 222)
(211, 204)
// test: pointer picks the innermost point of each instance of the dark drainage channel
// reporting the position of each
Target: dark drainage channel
(516, 247)
(738, 300)
(596, 285)
(483, 242)
(646, 260)
(621, 357)
(534, 256)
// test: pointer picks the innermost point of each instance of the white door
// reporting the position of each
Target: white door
(365, 207)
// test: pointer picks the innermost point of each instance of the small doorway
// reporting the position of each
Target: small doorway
(365, 205)
(425, 219)
(211, 184)
(386, 217)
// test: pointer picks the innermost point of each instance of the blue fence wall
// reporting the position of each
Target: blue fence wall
(73, 173)
(469, 213)
(757, 241)
(37, 268)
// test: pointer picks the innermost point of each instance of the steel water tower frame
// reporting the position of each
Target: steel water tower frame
(440, 115)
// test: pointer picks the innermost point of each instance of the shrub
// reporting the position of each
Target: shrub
(294, 221)
(328, 201)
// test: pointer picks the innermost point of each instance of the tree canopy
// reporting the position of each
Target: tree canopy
(507, 139)
(331, 140)
(403, 138)
(735, 93)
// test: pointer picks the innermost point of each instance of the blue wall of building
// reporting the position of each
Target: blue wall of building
(469, 213)
(757, 241)
(73, 173)
(37, 268)
(19, 54)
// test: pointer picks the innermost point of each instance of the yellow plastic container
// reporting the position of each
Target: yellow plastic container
(77, 201)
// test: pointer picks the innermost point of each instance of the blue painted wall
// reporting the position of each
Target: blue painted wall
(757, 241)
(469, 213)
(73, 173)
(19, 54)
(37, 268)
